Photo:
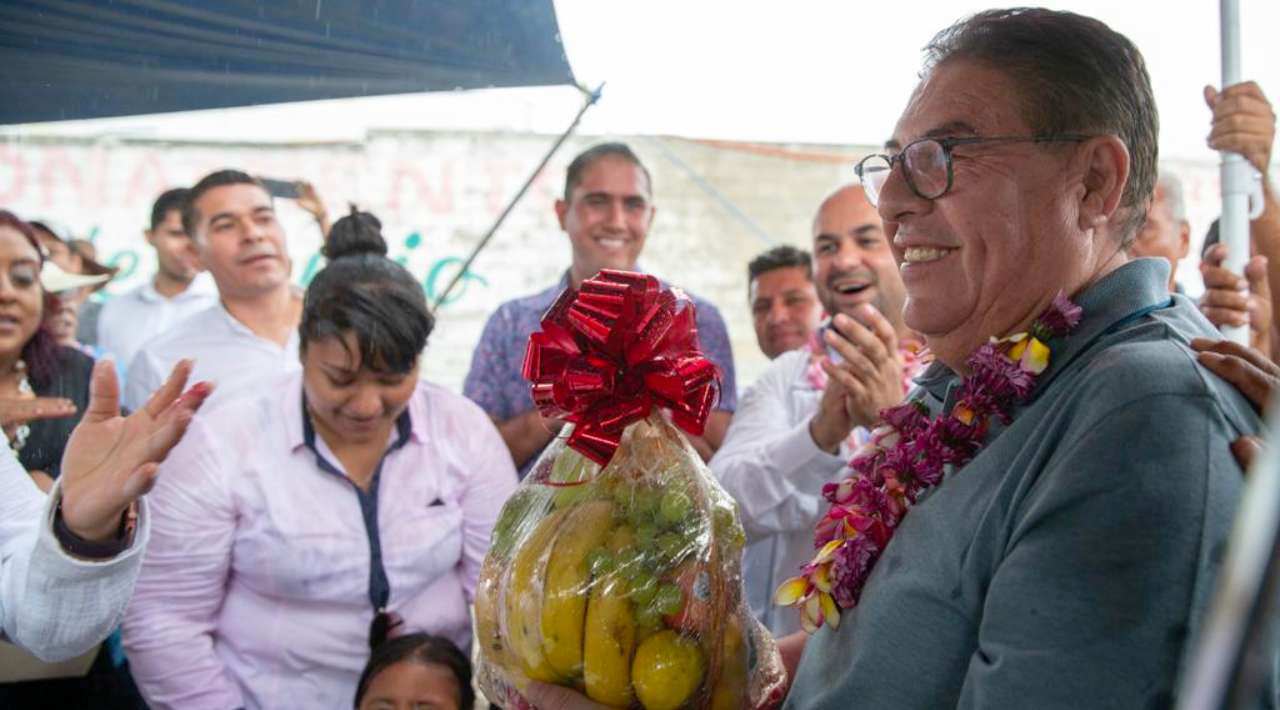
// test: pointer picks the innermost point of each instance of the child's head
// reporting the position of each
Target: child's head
(415, 670)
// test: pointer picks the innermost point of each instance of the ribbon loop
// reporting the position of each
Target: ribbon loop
(611, 351)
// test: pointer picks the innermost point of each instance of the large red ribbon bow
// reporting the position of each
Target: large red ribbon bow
(610, 352)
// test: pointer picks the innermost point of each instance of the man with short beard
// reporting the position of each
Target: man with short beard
(797, 426)
(784, 302)
(252, 331)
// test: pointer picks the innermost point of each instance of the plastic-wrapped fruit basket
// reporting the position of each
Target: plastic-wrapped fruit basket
(615, 568)
(625, 584)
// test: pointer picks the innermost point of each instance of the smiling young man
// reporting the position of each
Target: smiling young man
(606, 212)
(131, 319)
(251, 332)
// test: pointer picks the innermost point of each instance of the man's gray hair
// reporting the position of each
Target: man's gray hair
(1171, 187)
(1074, 75)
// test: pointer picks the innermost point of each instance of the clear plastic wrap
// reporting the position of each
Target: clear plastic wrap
(624, 583)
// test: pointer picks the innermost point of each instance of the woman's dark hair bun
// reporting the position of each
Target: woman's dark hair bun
(355, 234)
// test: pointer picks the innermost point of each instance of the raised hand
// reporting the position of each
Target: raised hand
(110, 461)
(309, 200)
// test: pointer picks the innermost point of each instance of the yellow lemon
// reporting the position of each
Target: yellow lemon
(667, 670)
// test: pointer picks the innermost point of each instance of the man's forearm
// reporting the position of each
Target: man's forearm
(712, 435)
(525, 436)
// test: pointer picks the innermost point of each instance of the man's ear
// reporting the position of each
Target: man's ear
(1104, 162)
(1184, 240)
(562, 209)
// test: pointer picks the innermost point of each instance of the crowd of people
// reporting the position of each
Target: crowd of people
(305, 525)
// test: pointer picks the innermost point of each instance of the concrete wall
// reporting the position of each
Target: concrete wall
(438, 192)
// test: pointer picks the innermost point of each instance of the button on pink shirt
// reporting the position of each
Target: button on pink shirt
(255, 588)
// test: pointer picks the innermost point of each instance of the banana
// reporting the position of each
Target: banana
(564, 603)
(492, 645)
(523, 598)
(730, 690)
(608, 643)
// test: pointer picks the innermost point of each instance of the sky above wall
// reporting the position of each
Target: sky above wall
(817, 72)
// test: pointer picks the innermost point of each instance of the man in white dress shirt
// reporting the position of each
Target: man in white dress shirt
(252, 331)
(176, 291)
(797, 426)
(69, 560)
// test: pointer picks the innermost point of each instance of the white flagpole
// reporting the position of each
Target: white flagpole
(1236, 174)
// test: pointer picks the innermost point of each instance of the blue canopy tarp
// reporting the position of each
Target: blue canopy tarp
(63, 60)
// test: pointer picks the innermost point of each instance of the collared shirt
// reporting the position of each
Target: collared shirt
(1070, 561)
(773, 469)
(255, 590)
(127, 321)
(225, 351)
(495, 382)
(52, 604)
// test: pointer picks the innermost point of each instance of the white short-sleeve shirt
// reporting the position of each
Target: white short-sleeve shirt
(129, 320)
(225, 351)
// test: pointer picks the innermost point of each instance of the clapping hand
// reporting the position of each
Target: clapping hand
(868, 380)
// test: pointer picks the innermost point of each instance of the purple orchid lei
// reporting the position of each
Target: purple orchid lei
(905, 458)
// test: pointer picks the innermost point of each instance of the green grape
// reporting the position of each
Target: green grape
(669, 599)
(644, 587)
(630, 562)
(647, 535)
(572, 466)
(727, 528)
(648, 622)
(600, 561)
(505, 532)
(571, 495)
(647, 501)
(676, 505)
(622, 495)
(672, 548)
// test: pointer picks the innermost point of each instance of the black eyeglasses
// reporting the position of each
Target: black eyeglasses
(926, 163)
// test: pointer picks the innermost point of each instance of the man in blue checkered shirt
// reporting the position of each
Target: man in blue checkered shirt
(606, 211)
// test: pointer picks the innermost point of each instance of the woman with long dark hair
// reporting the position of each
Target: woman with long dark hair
(32, 363)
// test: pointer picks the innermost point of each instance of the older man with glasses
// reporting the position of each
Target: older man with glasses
(1050, 540)
(1039, 526)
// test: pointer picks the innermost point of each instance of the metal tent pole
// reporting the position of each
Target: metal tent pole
(1235, 171)
(592, 97)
